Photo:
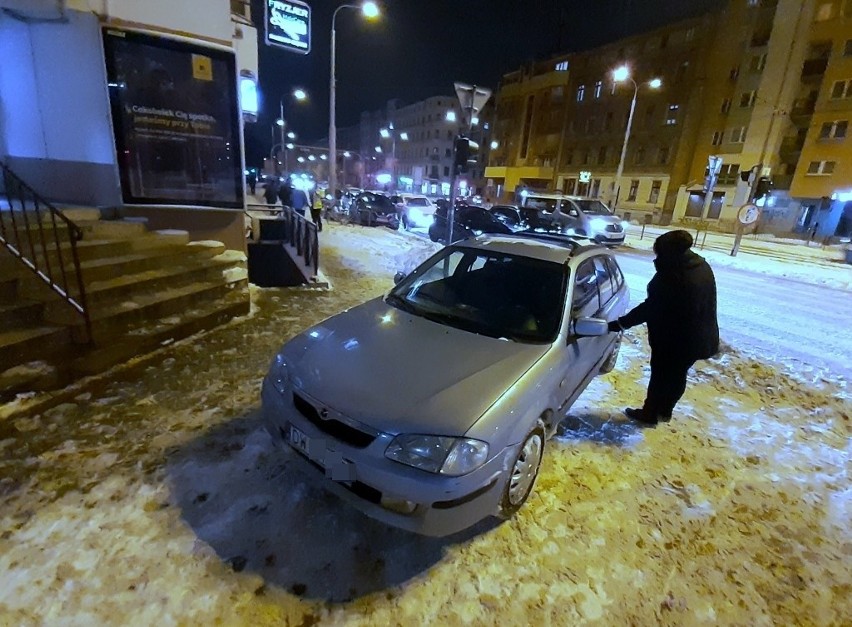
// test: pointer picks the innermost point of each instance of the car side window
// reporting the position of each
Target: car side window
(606, 287)
(615, 272)
(585, 300)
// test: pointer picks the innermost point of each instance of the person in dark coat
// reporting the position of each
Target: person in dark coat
(285, 193)
(680, 312)
(270, 194)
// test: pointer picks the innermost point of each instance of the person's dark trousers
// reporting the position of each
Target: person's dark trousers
(316, 216)
(667, 385)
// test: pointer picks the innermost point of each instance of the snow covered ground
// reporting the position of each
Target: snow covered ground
(154, 497)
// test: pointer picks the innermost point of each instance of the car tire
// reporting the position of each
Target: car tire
(609, 364)
(524, 470)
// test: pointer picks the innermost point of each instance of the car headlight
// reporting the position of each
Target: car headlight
(438, 454)
(598, 224)
(279, 374)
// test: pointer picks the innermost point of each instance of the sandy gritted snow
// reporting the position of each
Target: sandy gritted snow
(156, 498)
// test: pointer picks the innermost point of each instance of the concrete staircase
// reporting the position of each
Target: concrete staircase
(144, 289)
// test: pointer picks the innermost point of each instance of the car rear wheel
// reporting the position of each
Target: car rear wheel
(523, 472)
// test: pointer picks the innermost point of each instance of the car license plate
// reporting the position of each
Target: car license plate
(299, 440)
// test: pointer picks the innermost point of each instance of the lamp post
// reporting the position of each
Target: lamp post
(370, 10)
(299, 95)
(390, 132)
(619, 75)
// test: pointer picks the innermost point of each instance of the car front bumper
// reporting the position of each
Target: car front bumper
(434, 505)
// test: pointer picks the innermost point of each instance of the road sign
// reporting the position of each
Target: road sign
(288, 25)
(471, 99)
(585, 176)
(748, 214)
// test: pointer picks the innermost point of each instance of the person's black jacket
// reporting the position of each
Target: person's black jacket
(285, 194)
(680, 309)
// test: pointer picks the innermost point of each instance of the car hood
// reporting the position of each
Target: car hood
(400, 373)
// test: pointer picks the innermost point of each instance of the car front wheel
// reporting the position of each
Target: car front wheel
(524, 471)
(609, 364)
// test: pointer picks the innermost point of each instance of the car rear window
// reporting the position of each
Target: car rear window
(417, 202)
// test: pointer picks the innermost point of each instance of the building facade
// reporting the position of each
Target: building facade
(763, 85)
(140, 107)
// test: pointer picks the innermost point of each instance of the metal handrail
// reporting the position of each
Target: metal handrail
(32, 240)
(299, 232)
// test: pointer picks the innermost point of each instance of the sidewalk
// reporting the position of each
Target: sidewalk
(786, 258)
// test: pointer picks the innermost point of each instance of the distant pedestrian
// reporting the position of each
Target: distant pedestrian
(270, 194)
(299, 200)
(680, 312)
(285, 192)
(316, 209)
(252, 181)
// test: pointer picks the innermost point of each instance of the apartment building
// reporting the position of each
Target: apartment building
(413, 144)
(765, 85)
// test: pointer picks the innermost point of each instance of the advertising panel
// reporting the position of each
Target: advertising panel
(288, 25)
(175, 117)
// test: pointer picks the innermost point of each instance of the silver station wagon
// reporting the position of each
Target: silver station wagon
(429, 408)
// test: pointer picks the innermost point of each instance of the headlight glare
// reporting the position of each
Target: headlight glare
(598, 224)
(438, 454)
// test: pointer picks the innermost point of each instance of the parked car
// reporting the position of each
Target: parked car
(416, 211)
(372, 208)
(429, 408)
(469, 221)
(510, 215)
(588, 217)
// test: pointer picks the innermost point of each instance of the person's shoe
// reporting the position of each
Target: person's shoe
(639, 415)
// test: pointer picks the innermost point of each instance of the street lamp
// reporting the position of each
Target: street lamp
(370, 11)
(299, 95)
(390, 132)
(620, 75)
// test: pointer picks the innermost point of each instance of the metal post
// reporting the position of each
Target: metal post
(755, 175)
(332, 124)
(617, 186)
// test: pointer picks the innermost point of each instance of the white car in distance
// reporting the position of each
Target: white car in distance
(417, 212)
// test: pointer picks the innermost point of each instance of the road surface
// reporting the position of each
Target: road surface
(783, 319)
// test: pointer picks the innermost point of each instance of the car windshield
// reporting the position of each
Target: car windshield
(593, 207)
(495, 294)
(417, 202)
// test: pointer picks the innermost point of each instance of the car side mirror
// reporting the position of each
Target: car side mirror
(591, 326)
(398, 277)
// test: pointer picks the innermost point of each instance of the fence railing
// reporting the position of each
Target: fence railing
(44, 240)
(299, 233)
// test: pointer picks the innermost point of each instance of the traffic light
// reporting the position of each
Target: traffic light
(466, 151)
(763, 187)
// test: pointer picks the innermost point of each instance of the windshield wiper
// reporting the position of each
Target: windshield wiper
(400, 303)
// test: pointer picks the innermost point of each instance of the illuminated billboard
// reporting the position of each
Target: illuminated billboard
(288, 25)
(175, 116)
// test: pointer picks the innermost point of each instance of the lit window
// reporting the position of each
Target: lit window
(562, 66)
(581, 93)
(598, 88)
(821, 167)
(728, 174)
(671, 114)
(834, 130)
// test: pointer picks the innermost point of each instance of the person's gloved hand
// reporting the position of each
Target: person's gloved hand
(614, 327)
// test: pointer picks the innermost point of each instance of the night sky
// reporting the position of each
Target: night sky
(418, 48)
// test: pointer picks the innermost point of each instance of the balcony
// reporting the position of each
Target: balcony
(791, 148)
(814, 69)
(802, 111)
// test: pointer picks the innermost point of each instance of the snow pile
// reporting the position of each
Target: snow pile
(156, 497)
